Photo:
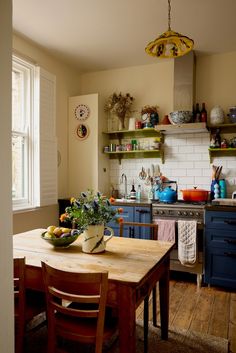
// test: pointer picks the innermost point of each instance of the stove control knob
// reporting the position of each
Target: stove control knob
(162, 212)
(197, 214)
(191, 213)
(185, 213)
(179, 213)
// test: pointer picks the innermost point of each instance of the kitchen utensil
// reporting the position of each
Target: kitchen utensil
(168, 194)
(234, 195)
(148, 178)
(142, 174)
(218, 172)
(195, 195)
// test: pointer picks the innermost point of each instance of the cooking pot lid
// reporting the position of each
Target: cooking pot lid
(194, 190)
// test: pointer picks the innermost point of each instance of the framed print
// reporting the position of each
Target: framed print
(82, 131)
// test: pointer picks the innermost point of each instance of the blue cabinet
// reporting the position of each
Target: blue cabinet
(140, 214)
(220, 248)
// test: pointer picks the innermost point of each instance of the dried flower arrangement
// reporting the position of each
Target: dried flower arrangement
(120, 105)
(149, 109)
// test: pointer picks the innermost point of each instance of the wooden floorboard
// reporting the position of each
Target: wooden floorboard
(207, 309)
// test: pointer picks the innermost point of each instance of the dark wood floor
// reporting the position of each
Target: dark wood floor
(210, 310)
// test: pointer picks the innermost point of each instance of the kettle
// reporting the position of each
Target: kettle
(168, 194)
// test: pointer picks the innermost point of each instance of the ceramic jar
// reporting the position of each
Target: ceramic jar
(216, 115)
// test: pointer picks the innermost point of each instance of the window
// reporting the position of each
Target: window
(34, 151)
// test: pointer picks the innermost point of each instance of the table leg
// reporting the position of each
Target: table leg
(164, 302)
(127, 324)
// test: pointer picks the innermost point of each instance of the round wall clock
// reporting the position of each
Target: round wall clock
(82, 112)
(82, 131)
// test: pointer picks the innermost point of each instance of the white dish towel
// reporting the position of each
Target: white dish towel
(187, 242)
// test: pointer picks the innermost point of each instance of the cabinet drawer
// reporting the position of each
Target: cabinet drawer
(221, 220)
(221, 238)
(221, 267)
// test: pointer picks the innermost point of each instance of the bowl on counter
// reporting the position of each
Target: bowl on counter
(180, 117)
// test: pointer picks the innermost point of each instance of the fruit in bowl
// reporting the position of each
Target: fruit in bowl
(60, 236)
(180, 117)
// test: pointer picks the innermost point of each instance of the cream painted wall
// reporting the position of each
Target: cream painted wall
(83, 153)
(148, 84)
(6, 270)
(215, 80)
(67, 84)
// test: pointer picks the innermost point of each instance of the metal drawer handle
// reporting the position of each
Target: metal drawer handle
(230, 222)
(230, 241)
(142, 211)
(230, 254)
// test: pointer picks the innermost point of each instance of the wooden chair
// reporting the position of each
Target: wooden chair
(27, 304)
(76, 307)
(153, 236)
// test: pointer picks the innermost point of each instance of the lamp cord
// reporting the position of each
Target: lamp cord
(169, 8)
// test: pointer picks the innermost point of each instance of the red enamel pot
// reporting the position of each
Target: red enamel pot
(195, 195)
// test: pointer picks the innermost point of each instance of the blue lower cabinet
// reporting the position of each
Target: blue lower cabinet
(142, 215)
(127, 215)
(220, 248)
(133, 214)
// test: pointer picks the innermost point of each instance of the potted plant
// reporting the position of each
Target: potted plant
(90, 212)
(120, 105)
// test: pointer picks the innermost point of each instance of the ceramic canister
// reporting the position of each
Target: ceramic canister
(216, 115)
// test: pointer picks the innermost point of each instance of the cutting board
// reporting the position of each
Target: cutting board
(224, 202)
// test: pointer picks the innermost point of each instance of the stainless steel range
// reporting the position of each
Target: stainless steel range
(183, 211)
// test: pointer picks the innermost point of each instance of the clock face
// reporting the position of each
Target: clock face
(82, 112)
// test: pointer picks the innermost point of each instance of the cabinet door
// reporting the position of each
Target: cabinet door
(220, 220)
(142, 215)
(220, 267)
(128, 216)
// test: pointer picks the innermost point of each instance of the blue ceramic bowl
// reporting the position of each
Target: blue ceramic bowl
(180, 117)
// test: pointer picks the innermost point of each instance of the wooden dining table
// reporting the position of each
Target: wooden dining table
(134, 267)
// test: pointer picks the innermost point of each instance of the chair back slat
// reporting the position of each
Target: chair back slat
(153, 228)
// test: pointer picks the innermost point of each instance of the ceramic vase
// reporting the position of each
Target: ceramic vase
(93, 238)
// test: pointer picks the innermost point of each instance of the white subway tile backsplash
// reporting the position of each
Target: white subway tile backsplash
(186, 161)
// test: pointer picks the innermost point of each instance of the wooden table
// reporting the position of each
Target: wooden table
(134, 265)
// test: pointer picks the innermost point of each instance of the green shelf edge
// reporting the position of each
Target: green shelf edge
(214, 152)
(136, 154)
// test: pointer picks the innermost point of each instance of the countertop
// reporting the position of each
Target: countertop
(142, 202)
(219, 208)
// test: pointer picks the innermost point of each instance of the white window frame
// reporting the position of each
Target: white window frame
(41, 175)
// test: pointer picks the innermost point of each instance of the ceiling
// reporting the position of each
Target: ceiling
(105, 34)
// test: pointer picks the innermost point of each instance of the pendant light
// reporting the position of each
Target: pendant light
(170, 44)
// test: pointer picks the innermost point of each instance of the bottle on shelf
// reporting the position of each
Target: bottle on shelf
(138, 193)
(197, 114)
(217, 139)
(133, 192)
(203, 114)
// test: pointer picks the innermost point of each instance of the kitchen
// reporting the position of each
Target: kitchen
(150, 84)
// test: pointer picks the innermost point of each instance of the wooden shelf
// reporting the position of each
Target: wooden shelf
(224, 128)
(136, 154)
(181, 128)
(216, 152)
(123, 134)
